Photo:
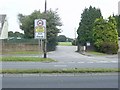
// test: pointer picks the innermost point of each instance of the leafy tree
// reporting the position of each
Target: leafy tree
(86, 24)
(10, 34)
(117, 18)
(53, 21)
(69, 39)
(16, 34)
(105, 35)
(61, 38)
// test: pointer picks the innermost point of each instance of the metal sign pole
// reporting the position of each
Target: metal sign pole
(45, 41)
(39, 45)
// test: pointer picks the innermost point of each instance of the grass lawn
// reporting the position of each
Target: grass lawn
(86, 70)
(27, 59)
(64, 43)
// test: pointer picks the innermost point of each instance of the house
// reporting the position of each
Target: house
(3, 26)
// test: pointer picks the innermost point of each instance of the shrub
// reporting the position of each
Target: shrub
(109, 48)
(75, 42)
(105, 35)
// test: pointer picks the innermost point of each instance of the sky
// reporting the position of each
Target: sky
(69, 11)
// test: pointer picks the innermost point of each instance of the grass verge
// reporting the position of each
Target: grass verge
(64, 43)
(27, 59)
(96, 53)
(86, 70)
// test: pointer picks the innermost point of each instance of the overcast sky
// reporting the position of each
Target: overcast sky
(69, 10)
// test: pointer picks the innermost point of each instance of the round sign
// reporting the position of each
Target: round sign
(40, 23)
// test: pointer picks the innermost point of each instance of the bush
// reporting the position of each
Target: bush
(61, 38)
(105, 35)
(109, 48)
(75, 42)
(51, 46)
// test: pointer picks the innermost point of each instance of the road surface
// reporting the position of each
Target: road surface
(67, 58)
(62, 81)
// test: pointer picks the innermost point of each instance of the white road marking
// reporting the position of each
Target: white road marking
(90, 62)
(90, 57)
(60, 65)
(81, 62)
(84, 62)
(102, 62)
(114, 61)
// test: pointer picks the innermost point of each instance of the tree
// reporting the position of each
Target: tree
(70, 39)
(86, 24)
(15, 34)
(53, 21)
(117, 18)
(10, 34)
(105, 35)
(18, 34)
(61, 38)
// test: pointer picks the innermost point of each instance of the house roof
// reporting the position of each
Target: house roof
(2, 19)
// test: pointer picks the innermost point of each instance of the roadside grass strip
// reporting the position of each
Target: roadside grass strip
(27, 59)
(37, 71)
(96, 53)
(64, 43)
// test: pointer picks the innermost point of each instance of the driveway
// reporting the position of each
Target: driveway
(68, 54)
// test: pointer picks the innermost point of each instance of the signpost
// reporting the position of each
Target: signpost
(40, 28)
(45, 41)
(40, 31)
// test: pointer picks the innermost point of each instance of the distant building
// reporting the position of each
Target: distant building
(3, 26)
(119, 8)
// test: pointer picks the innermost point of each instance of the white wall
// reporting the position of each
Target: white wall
(4, 31)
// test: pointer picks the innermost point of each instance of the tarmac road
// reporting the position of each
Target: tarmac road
(62, 81)
(67, 58)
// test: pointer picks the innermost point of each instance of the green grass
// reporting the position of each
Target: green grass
(27, 59)
(64, 43)
(96, 53)
(86, 70)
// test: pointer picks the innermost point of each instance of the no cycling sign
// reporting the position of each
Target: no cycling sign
(40, 28)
